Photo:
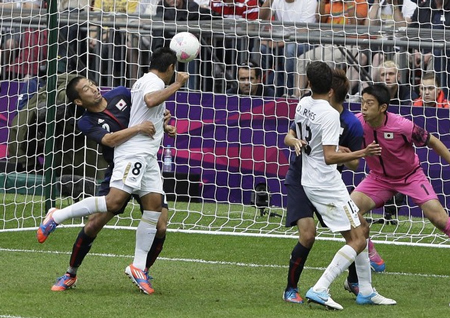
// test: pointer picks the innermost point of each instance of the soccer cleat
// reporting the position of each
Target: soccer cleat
(378, 267)
(322, 298)
(64, 282)
(140, 279)
(47, 226)
(149, 277)
(351, 287)
(291, 296)
(374, 299)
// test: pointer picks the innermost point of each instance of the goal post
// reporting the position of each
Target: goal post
(229, 157)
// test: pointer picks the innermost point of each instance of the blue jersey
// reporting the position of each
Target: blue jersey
(351, 136)
(116, 117)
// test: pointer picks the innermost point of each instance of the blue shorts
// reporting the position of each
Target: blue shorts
(298, 204)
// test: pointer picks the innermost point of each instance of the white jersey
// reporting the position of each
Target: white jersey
(319, 125)
(142, 144)
(298, 11)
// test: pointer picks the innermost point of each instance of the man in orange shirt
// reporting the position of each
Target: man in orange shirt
(431, 95)
(351, 12)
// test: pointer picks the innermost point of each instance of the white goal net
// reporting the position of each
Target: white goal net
(229, 159)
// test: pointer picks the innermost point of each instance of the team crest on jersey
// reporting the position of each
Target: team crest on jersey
(388, 135)
(121, 104)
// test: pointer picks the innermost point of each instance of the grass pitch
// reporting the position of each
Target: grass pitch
(205, 276)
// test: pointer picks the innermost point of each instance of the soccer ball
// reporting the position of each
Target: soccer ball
(186, 46)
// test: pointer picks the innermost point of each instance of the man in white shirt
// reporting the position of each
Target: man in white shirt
(291, 12)
(318, 127)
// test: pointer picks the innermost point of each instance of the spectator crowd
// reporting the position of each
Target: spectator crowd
(261, 65)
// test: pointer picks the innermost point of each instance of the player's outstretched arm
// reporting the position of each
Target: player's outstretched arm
(334, 157)
(114, 139)
(352, 164)
(439, 148)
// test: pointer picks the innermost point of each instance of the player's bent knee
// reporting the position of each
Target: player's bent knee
(96, 223)
(93, 228)
(307, 239)
(113, 204)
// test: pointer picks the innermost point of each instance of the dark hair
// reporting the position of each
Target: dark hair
(252, 65)
(162, 58)
(319, 76)
(431, 75)
(380, 92)
(71, 92)
(340, 85)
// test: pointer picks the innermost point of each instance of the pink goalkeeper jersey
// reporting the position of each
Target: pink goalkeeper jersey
(396, 137)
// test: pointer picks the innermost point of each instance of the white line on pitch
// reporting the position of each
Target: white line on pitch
(190, 260)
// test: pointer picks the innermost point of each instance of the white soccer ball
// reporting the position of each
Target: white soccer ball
(186, 46)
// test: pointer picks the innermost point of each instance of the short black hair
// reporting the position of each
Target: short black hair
(71, 92)
(380, 92)
(340, 85)
(162, 58)
(319, 76)
(252, 65)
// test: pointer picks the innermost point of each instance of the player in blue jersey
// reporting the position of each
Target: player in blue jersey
(105, 120)
(136, 170)
(300, 210)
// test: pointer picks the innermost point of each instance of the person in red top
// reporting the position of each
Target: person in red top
(246, 9)
(431, 95)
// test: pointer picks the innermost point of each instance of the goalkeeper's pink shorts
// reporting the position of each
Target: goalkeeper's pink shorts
(380, 189)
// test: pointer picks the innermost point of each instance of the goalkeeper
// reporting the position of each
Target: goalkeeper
(398, 168)
(105, 120)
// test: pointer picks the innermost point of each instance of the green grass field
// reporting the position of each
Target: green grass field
(205, 276)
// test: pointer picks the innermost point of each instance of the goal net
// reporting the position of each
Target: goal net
(229, 158)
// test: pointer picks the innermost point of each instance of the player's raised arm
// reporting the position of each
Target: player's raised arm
(156, 98)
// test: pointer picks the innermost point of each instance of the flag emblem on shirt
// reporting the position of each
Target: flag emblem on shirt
(388, 135)
(121, 104)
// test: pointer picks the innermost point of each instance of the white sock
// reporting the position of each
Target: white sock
(145, 234)
(82, 208)
(341, 261)
(364, 273)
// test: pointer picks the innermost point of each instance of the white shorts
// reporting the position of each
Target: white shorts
(337, 209)
(137, 175)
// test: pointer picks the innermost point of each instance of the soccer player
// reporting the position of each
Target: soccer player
(299, 209)
(105, 120)
(136, 170)
(397, 169)
(318, 126)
